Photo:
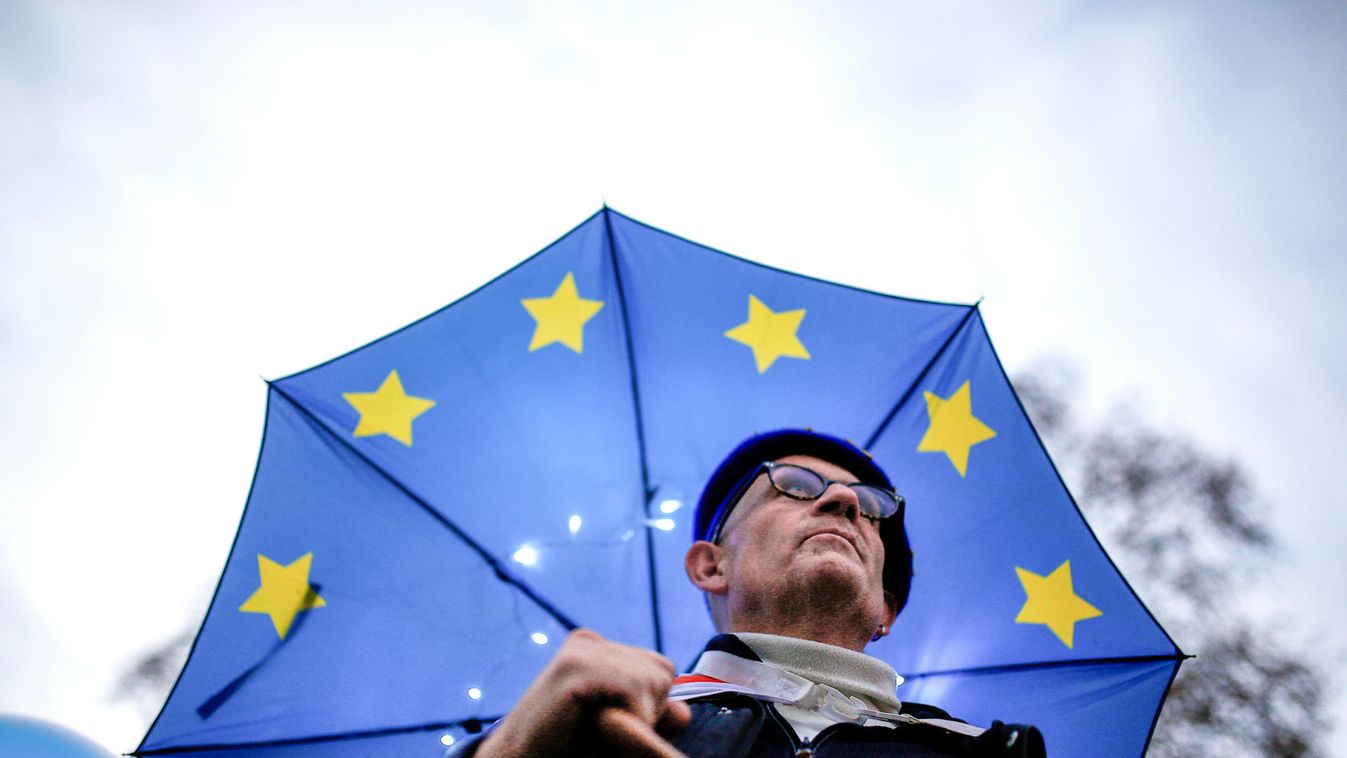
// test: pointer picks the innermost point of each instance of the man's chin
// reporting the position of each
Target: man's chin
(837, 569)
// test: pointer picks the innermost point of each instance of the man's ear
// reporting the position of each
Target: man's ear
(703, 564)
(890, 609)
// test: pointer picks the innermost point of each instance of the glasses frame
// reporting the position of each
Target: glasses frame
(900, 504)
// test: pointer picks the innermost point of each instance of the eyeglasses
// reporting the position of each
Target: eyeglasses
(800, 483)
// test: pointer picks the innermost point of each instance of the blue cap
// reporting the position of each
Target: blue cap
(740, 467)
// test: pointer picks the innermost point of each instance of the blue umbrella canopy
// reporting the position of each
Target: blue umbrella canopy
(433, 511)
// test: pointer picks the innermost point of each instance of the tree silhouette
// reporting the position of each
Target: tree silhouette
(1188, 530)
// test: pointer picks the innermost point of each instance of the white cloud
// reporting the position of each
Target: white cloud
(192, 195)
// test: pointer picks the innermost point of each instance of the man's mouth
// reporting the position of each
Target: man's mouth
(838, 533)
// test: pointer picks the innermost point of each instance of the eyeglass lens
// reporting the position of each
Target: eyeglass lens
(804, 484)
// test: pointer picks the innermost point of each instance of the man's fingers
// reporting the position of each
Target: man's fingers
(628, 735)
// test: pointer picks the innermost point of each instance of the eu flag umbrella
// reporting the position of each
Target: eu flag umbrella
(433, 511)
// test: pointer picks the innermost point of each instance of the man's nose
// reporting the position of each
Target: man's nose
(840, 500)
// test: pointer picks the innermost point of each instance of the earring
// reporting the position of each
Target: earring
(883, 630)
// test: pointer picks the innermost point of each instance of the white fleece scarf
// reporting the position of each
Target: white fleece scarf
(851, 673)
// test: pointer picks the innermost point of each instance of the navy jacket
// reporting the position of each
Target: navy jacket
(736, 725)
(739, 726)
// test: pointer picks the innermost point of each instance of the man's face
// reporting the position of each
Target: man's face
(777, 547)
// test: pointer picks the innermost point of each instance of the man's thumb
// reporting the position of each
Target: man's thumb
(630, 736)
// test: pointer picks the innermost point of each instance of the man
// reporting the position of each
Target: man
(801, 551)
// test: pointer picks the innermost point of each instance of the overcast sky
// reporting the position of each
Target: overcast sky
(193, 196)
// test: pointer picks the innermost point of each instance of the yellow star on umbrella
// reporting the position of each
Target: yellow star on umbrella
(284, 592)
(561, 317)
(953, 428)
(769, 334)
(1053, 602)
(388, 410)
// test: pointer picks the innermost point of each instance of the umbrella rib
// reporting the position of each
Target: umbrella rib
(500, 570)
(1011, 667)
(219, 583)
(473, 725)
(1155, 720)
(902, 400)
(1072, 498)
(640, 429)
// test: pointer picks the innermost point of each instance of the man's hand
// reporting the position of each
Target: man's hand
(595, 696)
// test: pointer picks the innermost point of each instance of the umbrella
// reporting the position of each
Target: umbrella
(432, 512)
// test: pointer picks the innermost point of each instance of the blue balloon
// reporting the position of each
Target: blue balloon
(21, 735)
